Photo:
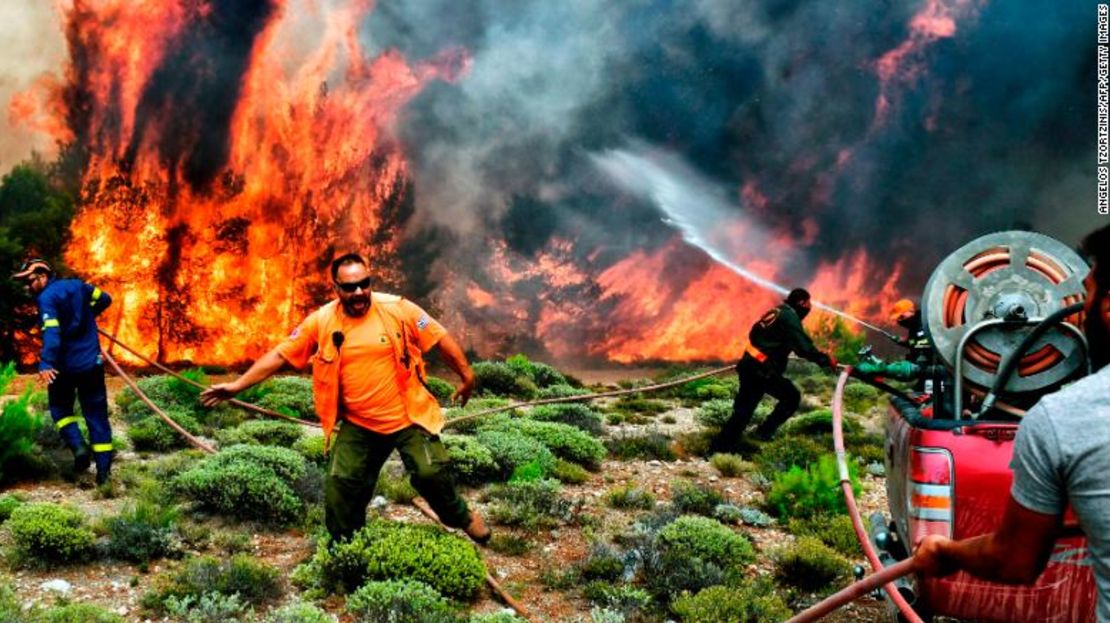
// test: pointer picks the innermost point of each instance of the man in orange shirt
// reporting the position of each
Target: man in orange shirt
(368, 381)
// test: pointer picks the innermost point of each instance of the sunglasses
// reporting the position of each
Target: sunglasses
(354, 285)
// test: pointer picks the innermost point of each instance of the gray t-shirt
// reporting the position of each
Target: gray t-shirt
(1062, 455)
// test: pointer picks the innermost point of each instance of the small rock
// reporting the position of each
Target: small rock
(655, 463)
(122, 611)
(713, 479)
(58, 586)
(378, 502)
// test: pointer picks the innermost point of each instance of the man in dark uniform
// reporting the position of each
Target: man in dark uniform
(70, 363)
(771, 340)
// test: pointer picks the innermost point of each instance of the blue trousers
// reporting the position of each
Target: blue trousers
(88, 388)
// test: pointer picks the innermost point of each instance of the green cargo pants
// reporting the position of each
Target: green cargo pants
(356, 460)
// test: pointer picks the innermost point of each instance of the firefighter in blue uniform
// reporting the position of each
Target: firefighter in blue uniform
(770, 342)
(71, 364)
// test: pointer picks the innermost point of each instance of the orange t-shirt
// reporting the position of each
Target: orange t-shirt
(368, 391)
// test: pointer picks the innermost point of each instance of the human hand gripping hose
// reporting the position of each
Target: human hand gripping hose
(883, 577)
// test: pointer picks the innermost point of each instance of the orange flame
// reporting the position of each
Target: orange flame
(218, 274)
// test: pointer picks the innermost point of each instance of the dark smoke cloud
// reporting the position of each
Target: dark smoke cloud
(996, 131)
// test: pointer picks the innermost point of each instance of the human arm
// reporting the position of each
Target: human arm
(1016, 553)
(98, 299)
(455, 358)
(51, 338)
(296, 350)
(802, 344)
(1019, 549)
(262, 369)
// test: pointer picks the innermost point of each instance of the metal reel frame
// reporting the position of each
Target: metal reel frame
(984, 298)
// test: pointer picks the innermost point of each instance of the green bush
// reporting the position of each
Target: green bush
(291, 395)
(629, 496)
(50, 532)
(809, 564)
(647, 446)
(690, 497)
(299, 612)
(695, 442)
(400, 601)
(386, 550)
(509, 544)
(441, 389)
(623, 599)
(562, 391)
(8, 503)
(529, 504)
(575, 414)
(729, 465)
(473, 406)
(142, 532)
(157, 388)
(859, 397)
(248, 482)
(208, 608)
(76, 613)
(471, 462)
(547, 376)
(602, 563)
(183, 392)
(563, 440)
(782, 453)
(819, 422)
(836, 531)
(709, 540)
(19, 424)
(261, 432)
(512, 450)
(396, 488)
(636, 403)
(570, 473)
(750, 603)
(254, 582)
(311, 447)
(151, 433)
(709, 388)
(499, 379)
(714, 413)
(10, 609)
(805, 493)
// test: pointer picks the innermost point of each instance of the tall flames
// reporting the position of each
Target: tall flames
(227, 158)
(231, 148)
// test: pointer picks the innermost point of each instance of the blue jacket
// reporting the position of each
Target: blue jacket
(69, 308)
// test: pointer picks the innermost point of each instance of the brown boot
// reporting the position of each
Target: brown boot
(478, 530)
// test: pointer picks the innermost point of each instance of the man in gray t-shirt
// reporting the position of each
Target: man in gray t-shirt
(1061, 456)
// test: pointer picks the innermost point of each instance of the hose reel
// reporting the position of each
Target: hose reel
(986, 297)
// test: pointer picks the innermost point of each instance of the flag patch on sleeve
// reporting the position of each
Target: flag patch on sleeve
(422, 323)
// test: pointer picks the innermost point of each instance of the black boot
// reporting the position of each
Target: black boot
(82, 458)
(102, 477)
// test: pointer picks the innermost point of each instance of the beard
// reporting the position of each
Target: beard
(356, 306)
(1098, 336)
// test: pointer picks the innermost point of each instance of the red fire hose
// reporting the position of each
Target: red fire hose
(883, 576)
